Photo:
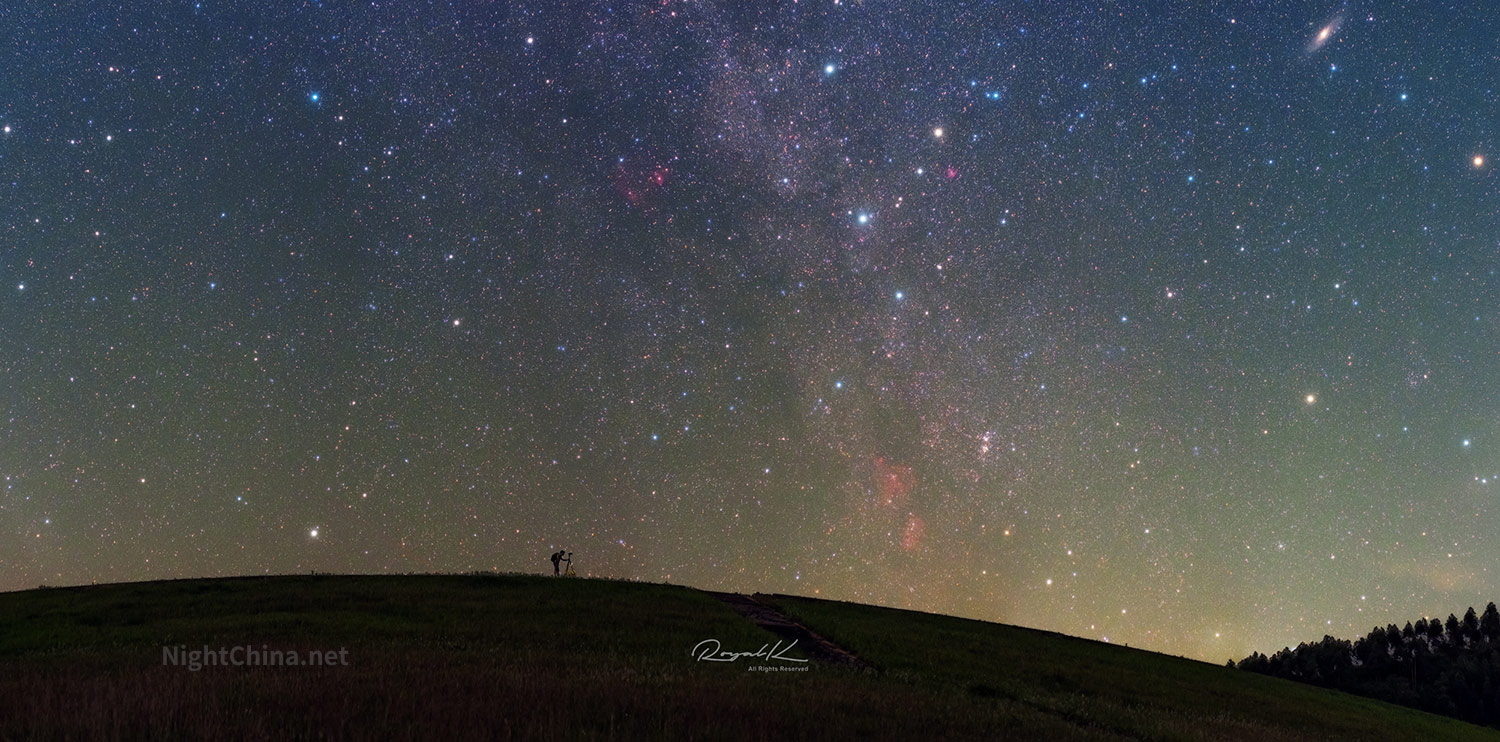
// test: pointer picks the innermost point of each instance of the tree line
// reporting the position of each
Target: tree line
(1447, 667)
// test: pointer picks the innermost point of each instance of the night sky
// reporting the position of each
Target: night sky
(1176, 328)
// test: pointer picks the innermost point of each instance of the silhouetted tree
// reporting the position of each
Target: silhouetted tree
(1471, 626)
(1256, 662)
(1435, 630)
(1458, 675)
(1371, 650)
(1489, 624)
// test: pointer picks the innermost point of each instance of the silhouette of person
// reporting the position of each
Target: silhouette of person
(556, 560)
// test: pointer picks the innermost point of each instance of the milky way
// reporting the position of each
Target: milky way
(1173, 328)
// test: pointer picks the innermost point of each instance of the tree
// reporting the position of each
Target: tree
(1435, 630)
(1371, 650)
(1256, 662)
(1489, 624)
(1471, 626)
(1410, 665)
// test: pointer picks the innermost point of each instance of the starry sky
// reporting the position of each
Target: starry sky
(1176, 327)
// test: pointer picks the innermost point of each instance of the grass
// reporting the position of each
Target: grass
(1093, 685)
(487, 657)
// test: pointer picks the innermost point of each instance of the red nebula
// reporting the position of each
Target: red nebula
(892, 483)
(636, 186)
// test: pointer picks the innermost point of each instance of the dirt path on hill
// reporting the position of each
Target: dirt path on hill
(782, 625)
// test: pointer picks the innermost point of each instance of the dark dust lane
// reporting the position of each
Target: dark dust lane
(778, 623)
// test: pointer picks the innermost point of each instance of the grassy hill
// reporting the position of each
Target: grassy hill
(481, 657)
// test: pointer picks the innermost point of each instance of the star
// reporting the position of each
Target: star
(652, 312)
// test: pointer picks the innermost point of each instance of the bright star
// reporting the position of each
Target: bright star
(313, 533)
(937, 131)
(1478, 160)
(900, 295)
(828, 69)
(1311, 399)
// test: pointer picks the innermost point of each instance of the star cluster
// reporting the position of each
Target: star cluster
(1167, 326)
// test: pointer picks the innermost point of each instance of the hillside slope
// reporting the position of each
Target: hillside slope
(487, 657)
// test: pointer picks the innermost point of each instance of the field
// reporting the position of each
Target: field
(518, 657)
